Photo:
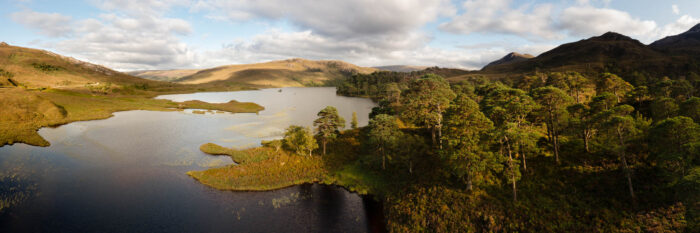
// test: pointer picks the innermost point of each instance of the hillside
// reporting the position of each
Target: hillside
(510, 58)
(34, 68)
(291, 72)
(40, 88)
(684, 43)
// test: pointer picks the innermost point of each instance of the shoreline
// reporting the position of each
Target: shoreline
(263, 168)
(30, 110)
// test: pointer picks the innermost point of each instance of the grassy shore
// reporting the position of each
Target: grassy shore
(260, 169)
(266, 168)
(24, 111)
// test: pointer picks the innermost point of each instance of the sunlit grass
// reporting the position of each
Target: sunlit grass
(266, 168)
(260, 169)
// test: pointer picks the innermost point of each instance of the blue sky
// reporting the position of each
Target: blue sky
(172, 34)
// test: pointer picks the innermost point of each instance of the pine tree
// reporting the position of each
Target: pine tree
(552, 104)
(327, 125)
(425, 101)
(300, 140)
(383, 135)
(465, 127)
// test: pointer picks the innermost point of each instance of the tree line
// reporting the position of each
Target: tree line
(477, 133)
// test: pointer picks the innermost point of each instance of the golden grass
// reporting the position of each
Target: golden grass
(260, 169)
(265, 168)
(35, 69)
(38, 68)
(214, 149)
(231, 106)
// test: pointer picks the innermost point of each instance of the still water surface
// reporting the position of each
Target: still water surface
(127, 173)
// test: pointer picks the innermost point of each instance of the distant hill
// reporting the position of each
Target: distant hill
(510, 58)
(284, 73)
(163, 75)
(610, 52)
(36, 68)
(401, 68)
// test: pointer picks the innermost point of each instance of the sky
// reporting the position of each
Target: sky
(131, 35)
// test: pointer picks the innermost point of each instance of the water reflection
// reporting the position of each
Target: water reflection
(127, 173)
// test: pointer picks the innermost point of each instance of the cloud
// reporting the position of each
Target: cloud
(277, 45)
(675, 9)
(540, 22)
(336, 18)
(590, 21)
(682, 24)
(117, 41)
(131, 43)
(140, 7)
(142, 34)
(497, 16)
(134, 34)
(365, 32)
(50, 24)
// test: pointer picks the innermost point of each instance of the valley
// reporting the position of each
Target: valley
(597, 135)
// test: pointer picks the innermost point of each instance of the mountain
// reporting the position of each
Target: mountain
(510, 58)
(401, 68)
(284, 73)
(34, 68)
(610, 52)
(687, 43)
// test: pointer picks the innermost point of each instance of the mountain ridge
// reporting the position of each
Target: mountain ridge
(612, 52)
(687, 43)
(279, 73)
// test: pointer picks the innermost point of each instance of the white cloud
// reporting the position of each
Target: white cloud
(50, 24)
(336, 18)
(277, 45)
(119, 42)
(497, 16)
(540, 22)
(130, 43)
(675, 9)
(590, 21)
(682, 24)
(135, 34)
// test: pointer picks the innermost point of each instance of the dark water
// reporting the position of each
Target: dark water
(127, 173)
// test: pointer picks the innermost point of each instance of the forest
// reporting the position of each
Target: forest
(543, 152)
